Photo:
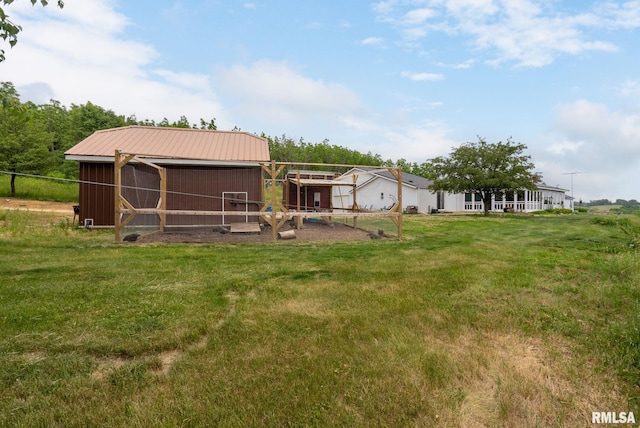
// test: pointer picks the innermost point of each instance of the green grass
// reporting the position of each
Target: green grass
(39, 189)
(499, 321)
(603, 208)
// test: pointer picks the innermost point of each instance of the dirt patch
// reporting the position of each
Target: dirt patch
(32, 205)
(318, 231)
(309, 232)
(526, 382)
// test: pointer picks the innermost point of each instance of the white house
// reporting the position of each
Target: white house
(542, 198)
(377, 189)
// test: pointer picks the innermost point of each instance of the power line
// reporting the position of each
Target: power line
(137, 188)
(96, 183)
(572, 198)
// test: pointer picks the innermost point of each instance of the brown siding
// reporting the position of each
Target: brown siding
(96, 200)
(199, 188)
(307, 192)
(189, 188)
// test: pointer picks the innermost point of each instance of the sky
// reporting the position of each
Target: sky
(410, 79)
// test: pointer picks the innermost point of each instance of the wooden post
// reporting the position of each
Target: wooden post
(272, 218)
(119, 161)
(396, 210)
(117, 182)
(355, 207)
(399, 223)
(163, 198)
(298, 219)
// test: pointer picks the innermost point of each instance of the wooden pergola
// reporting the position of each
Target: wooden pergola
(278, 214)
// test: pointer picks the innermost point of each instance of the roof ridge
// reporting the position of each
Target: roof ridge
(175, 128)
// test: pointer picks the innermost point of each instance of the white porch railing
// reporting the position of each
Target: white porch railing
(519, 206)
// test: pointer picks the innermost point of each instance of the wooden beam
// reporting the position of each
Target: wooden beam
(397, 173)
(119, 161)
(163, 198)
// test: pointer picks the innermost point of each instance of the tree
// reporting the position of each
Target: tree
(484, 168)
(24, 140)
(87, 118)
(286, 149)
(8, 30)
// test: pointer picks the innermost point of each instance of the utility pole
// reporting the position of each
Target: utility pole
(572, 198)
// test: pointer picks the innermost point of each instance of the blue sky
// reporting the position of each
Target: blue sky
(402, 78)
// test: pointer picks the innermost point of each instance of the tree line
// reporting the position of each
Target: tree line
(33, 138)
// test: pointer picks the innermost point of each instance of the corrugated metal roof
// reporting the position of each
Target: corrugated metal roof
(174, 143)
(408, 179)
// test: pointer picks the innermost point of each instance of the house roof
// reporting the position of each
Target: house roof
(544, 186)
(408, 179)
(172, 143)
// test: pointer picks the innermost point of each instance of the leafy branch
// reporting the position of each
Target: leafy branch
(9, 30)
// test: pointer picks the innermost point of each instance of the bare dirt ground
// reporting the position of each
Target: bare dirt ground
(31, 205)
(309, 232)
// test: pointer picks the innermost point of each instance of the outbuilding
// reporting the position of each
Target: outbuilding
(377, 190)
(205, 171)
(308, 190)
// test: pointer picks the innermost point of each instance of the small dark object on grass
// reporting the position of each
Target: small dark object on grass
(131, 237)
(374, 236)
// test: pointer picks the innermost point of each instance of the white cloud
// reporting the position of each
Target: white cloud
(524, 32)
(600, 143)
(278, 96)
(471, 7)
(274, 90)
(630, 88)
(616, 15)
(372, 41)
(458, 66)
(565, 147)
(419, 143)
(73, 58)
(79, 54)
(431, 77)
(90, 14)
(613, 135)
(417, 16)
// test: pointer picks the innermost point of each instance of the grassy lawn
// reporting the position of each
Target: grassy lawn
(468, 321)
(603, 208)
(39, 189)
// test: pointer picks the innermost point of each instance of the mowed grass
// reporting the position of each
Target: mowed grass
(40, 189)
(467, 321)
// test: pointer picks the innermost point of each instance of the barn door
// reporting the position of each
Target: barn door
(234, 201)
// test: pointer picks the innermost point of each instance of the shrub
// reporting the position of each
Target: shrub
(631, 228)
(554, 211)
(605, 221)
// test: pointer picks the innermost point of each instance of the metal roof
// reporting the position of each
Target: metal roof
(318, 182)
(173, 143)
(408, 179)
(544, 186)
